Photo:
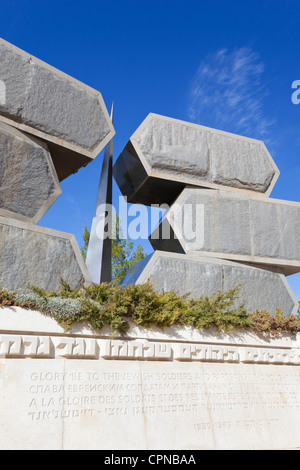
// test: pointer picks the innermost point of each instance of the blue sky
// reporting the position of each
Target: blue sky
(228, 65)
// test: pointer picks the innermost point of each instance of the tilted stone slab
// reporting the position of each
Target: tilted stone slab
(164, 155)
(43, 101)
(261, 289)
(227, 225)
(28, 181)
(32, 255)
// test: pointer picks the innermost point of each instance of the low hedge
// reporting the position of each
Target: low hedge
(109, 305)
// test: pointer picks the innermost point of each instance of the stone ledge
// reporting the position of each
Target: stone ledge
(31, 322)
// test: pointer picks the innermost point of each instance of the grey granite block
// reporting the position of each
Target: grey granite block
(245, 228)
(32, 255)
(261, 289)
(28, 181)
(181, 153)
(45, 102)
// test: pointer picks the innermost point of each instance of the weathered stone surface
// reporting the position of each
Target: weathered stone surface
(32, 255)
(28, 180)
(183, 153)
(177, 388)
(261, 289)
(243, 228)
(53, 106)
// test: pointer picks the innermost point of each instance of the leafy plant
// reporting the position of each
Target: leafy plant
(117, 307)
(275, 324)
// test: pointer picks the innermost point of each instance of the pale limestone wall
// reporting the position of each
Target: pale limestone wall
(173, 389)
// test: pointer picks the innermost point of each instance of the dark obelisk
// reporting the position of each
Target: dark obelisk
(98, 259)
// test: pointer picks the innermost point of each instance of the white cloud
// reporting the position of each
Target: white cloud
(227, 92)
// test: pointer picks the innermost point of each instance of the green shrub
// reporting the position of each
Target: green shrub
(114, 306)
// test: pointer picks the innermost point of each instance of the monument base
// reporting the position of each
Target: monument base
(172, 389)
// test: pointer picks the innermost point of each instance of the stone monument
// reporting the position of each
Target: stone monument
(51, 125)
(239, 234)
(178, 388)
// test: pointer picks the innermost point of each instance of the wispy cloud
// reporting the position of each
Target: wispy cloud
(227, 92)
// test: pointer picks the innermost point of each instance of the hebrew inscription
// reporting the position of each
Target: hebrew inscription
(15, 345)
(93, 348)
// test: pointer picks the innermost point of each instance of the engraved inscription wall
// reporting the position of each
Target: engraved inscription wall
(92, 348)
(132, 393)
(64, 392)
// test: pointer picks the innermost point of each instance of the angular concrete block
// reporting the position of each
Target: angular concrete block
(232, 226)
(260, 288)
(28, 181)
(45, 102)
(32, 255)
(164, 155)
